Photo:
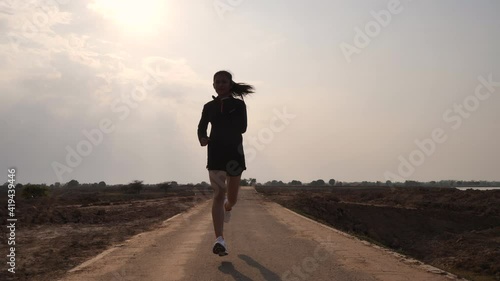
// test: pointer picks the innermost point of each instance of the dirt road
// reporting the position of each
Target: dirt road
(265, 242)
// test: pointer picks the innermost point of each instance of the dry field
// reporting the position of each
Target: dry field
(58, 232)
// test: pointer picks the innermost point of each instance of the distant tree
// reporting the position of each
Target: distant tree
(244, 182)
(165, 186)
(388, 183)
(275, 183)
(72, 184)
(34, 191)
(252, 181)
(339, 183)
(317, 182)
(331, 182)
(204, 184)
(57, 184)
(295, 182)
(412, 183)
(447, 183)
(102, 184)
(136, 186)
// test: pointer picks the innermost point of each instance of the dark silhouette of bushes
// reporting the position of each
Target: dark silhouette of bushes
(72, 184)
(165, 186)
(136, 186)
(34, 191)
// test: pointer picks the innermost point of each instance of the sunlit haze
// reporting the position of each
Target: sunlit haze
(108, 90)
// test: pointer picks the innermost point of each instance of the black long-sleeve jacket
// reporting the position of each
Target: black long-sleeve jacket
(228, 117)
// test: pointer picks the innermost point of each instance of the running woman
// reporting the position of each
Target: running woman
(227, 115)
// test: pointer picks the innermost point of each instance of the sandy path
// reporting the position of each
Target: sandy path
(265, 241)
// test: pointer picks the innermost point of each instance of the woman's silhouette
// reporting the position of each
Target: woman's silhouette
(226, 161)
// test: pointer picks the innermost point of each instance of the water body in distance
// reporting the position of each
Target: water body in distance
(479, 188)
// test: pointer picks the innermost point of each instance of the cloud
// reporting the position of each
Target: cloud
(61, 76)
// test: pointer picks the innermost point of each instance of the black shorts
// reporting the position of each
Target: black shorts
(226, 157)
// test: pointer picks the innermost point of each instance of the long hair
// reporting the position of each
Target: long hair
(238, 89)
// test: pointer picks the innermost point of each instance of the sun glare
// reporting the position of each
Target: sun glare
(135, 15)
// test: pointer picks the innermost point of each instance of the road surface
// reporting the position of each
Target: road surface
(265, 242)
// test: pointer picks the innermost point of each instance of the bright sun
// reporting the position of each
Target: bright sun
(136, 15)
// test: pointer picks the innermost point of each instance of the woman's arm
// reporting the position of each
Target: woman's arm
(243, 117)
(202, 126)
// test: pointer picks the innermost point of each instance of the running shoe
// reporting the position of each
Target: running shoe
(220, 247)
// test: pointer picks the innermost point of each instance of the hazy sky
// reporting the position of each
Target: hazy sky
(352, 90)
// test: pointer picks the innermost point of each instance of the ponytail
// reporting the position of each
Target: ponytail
(242, 89)
(238, 89)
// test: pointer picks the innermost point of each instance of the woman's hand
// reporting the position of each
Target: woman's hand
(204, 141)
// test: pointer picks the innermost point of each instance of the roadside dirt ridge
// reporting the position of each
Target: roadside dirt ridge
(265, 242)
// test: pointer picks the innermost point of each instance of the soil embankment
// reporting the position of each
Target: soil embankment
(458, 231)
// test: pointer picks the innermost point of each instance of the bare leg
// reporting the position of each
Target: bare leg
(233, 184)
(218, 183)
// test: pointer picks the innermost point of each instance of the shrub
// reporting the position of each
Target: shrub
(34, 191)
(136, 186)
